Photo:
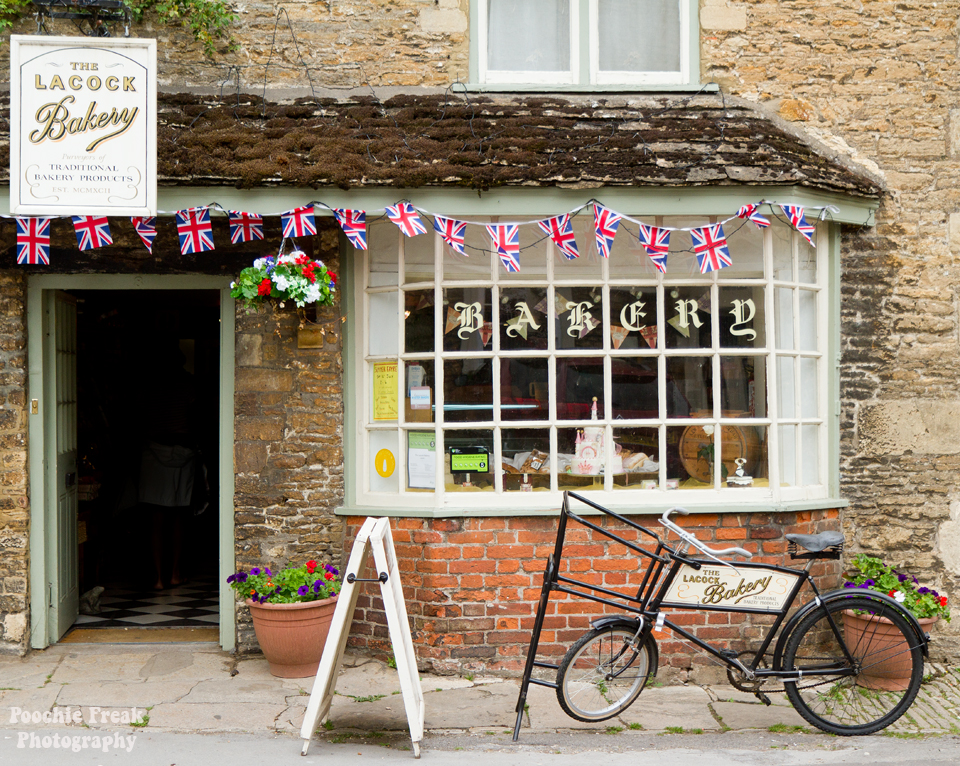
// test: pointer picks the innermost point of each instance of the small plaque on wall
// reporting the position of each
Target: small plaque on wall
(310, 337)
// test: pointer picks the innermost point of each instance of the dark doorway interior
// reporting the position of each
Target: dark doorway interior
(148, 370)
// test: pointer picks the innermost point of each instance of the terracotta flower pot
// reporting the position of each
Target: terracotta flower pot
(887, 664)
(292, 636)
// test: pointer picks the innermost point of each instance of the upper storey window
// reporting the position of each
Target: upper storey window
(583, 42)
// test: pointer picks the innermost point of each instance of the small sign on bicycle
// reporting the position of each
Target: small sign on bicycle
(741, 587)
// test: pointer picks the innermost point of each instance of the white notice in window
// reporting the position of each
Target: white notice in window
(422, 460)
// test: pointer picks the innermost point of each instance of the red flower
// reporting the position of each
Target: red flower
(301, 259)
(311, 565)
(264, 287)
(308, 272)
(943, 600)
(328, 576)
(892, 593)
(333, 277)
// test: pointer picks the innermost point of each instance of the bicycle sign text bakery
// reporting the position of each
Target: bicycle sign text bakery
(734, 587)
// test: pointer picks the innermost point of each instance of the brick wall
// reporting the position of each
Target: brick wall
(289, 429)
(14, 506)
(472, 586)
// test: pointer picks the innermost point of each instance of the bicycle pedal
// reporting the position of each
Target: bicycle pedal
(763, 698)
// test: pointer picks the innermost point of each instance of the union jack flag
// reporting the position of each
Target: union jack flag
(298, 222)
(606, 222)
(194, 230)
(560, 230)
(354, 225)
(452, 232)
(750, 212)
(93, 231)
(33, 240)
(146, 227)
(656, 242)
(506, 241)
(795, 214)
(710, 245)
(245, 227)
(404, 216)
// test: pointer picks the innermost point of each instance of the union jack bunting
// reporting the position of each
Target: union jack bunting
(452, 232)
(606, 222)
(506, 241)
(33, 240)
(298, 222)
(245, 227)
(93, 231)
(194, 230)
(656, 242)
(560, 230)
(750, 212)
(146, 227)
(404, 216)
(795, 214)
(354, 225)
(710, 245)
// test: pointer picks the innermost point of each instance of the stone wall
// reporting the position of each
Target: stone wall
(289, 430)
(472, 585)
(878, 81)
(14, 505)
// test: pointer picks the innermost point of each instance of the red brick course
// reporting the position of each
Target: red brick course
(472, 585)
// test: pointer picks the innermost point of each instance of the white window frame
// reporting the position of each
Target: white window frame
(443, 501)
(584, 68)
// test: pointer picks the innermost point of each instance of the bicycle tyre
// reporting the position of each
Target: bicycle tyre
(868, 699)
(602, 673)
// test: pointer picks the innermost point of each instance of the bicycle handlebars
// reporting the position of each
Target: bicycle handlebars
(690, 538)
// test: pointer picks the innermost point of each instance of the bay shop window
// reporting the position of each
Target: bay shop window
(478, 388)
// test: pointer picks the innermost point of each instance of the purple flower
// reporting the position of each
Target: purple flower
(255, 571)
(868, 583)
(923, 590)
(935, 594)
(901, 578)
(231, 578)
(263, 599)
(317, 586)
(241, 576)
(332, 570)
(849, 585)
(916, 581)
(267, 571)
(303, 590)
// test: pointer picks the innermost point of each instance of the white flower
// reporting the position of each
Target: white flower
(312, 293)
(286, 259)
(708, 430)
(260, 263)
(281, 281)
(900, 596)
(233, 285)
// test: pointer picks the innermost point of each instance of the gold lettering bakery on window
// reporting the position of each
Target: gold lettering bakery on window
(599, 375)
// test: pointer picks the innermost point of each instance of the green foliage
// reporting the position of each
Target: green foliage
(872, 574)
(10, 11)
(289, 277)
(292, 585)
(207, 20)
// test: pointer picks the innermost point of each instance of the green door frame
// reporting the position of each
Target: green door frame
(41, 448)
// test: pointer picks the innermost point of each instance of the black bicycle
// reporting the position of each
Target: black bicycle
(850, 662)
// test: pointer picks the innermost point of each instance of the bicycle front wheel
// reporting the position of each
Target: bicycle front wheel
(602, 673)
(878, 686)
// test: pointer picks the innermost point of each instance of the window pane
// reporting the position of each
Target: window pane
(384, 457)
(688, 311)
(639, 37)
(523, 318)
(782, 251)
(628, 258)
(811, 454)
(807, 261)
(633, 318)
(421, 461)
(786, 382)
(579, 381)
(475, 264)
(742, 318)
(420, 393)
(580, 461)
(744, 450)
(783, 304)
(384, 252)
(526, 460)
(639, 449)
(690, 456)
(589, 265)
(808, 387)
(788, 455)
(808, 320)
(466, 461)
(534, 245)
(467, 390)
(689, 386)
(384, 315)
(634, 388)
(524, 389)
(579, 317)
(419, 261)
(742, 383)
(746, 251)
(528, 35)
(466, 318)
(682, 261)
(418, 322)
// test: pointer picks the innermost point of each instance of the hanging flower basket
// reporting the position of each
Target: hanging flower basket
(285, 277)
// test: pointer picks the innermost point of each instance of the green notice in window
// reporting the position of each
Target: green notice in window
(421, 460)
(469, 461)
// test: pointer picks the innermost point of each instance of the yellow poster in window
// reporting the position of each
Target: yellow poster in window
(385, 400)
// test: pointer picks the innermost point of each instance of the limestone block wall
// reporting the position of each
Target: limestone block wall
(878, 80)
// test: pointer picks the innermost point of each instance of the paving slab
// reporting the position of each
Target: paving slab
(118, 694)
(545, 713)
(386, 714)
(27, 672)
(111, 718)
(728, 693)
(659, 708)
(235, 690)
(29, 700)
(222, 716)
(184, 665)
(488, 705)
(368, 680)
(110, 666)
(738, 715)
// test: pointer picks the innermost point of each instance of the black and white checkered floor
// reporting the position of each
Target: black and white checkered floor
(195, 604)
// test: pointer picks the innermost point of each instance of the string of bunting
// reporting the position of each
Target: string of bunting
(195, 231)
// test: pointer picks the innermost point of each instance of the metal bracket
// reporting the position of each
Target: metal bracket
(353, 578)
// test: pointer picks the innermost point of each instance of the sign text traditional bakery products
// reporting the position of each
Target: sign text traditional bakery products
(738, 587)
(83, 126)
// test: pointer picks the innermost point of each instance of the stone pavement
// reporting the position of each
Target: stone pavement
(196, 688)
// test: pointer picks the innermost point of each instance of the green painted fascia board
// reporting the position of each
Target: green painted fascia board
(348, 307)
(39, 629)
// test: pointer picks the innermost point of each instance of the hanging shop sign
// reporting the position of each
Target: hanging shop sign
(83, 126)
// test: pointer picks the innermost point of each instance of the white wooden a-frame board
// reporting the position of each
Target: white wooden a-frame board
(374, 535)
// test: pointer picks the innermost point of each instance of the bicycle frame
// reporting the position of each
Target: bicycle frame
(666, 564)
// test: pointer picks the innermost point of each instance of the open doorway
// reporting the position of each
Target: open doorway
(148, 407)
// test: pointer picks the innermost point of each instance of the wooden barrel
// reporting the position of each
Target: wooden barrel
(736, 442)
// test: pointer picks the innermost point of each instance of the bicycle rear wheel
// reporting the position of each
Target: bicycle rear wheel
(883, 679)
(602, 673)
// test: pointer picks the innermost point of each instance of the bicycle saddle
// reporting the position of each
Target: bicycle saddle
(817, 543)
